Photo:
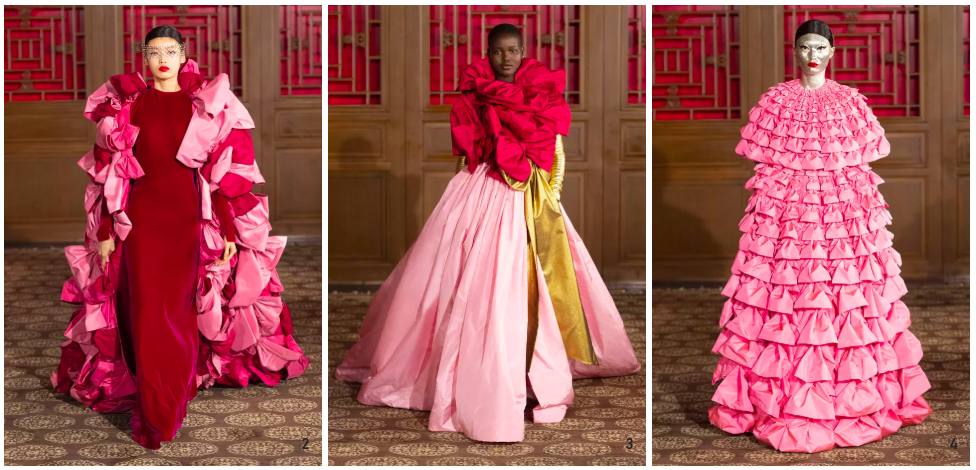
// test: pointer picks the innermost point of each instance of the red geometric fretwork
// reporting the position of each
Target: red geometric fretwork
(45, 53)
(301, 50)
(696, 62)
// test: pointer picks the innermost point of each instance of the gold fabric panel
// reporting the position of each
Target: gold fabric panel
(549, 242)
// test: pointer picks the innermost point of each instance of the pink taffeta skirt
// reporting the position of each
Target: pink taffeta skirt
(447, 330)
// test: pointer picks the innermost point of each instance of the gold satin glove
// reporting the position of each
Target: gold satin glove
(558, 167)
(462, 162)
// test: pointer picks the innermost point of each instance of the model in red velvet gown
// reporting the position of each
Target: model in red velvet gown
(159, 269)
(185, 293)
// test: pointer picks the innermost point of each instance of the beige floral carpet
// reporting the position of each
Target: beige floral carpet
(256, 425)
(605, 413)
(684, 328)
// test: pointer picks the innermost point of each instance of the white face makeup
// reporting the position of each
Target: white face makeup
(164, 57)
(812, 52)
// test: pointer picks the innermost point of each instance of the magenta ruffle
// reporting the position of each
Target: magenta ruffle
(245, 328)
(815, 346)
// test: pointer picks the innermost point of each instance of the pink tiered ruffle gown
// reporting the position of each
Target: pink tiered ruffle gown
(815, 346)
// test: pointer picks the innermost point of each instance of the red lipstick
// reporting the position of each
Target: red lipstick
(163, 68)
(812, 64)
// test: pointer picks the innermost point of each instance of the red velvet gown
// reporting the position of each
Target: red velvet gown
(158, 273)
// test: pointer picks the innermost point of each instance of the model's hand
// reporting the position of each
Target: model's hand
(105, 250)
(230, 248)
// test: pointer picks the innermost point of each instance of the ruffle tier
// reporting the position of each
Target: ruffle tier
(825, 129)
(245, 327)
(815, 346)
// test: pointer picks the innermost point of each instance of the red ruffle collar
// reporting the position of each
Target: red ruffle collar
(510, 122)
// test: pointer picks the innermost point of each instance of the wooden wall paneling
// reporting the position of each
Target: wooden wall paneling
(955, 141)
(917, 221)
(429, 163)
(292, 166)
(367, 167)
(584, 190)
(958, 266)
(43, 141)
(624, 159)
(698, 183)
(260, 20)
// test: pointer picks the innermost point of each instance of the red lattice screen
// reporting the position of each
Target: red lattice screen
(212, 35)
(877, 52)
(965, 59)
(459, 35)
(45, 53)
(354, 55)
(696, 62)
(637, 54)
(301, 50)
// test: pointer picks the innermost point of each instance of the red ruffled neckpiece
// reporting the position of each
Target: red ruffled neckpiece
(508, 124)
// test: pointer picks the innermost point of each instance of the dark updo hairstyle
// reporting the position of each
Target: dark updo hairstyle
(502, 30)
(815, 27)
(166, 31)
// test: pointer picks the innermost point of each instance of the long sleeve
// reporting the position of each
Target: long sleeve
(225, 215)
(105, 224)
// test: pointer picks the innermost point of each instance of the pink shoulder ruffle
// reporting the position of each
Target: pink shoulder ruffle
(217, 111)
(825, 129)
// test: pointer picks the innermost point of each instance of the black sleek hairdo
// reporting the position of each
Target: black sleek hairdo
(815, 27)
(502, 30)
(164, 31)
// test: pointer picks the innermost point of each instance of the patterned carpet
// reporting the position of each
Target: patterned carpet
(605, 413)
(257, 425)
(685, 327)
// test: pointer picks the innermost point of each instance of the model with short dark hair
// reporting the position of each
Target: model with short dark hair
(498, 299)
